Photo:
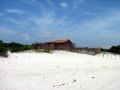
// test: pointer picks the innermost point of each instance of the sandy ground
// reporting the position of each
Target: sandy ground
(59, 71)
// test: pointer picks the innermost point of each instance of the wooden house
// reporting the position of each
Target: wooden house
(57, 45)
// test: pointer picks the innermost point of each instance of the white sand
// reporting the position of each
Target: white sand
(59, 71)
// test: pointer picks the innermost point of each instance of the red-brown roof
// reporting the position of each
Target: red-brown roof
(59, 41)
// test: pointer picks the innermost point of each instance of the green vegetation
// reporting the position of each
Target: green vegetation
(3, 51)
(12, 47)
(17, 47)
(113, 49)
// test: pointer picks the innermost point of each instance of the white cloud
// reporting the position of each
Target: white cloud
(99, 28)
(25, 36)
(15, 11)
(11, 20)
(63, 4)
(105, 22)
(19, 23)
(49, 26)
(50, 22)
(48, 34)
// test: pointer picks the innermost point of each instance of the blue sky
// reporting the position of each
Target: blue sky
(92, 23)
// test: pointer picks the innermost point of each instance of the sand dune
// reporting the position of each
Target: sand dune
(59, 71)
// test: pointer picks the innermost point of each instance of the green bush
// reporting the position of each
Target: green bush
(3, 52)
(20, 48)
(1, 42)
(14, 47)
(115, 49)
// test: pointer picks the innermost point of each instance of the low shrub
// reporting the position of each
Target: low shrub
(115, 49)
(3, 52)
(46, 51)
(20, 48)
(42, 50)
(13, 47)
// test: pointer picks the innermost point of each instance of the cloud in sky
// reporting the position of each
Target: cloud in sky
(102, 23)
(25, 36)
(48, 34)
(15, 11)
(19, 23)
(63, 4)
(102, 29)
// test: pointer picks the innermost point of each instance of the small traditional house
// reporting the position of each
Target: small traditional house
(58, 45)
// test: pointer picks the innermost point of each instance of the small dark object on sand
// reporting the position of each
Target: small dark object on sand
(74, 81)
(93, 77)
